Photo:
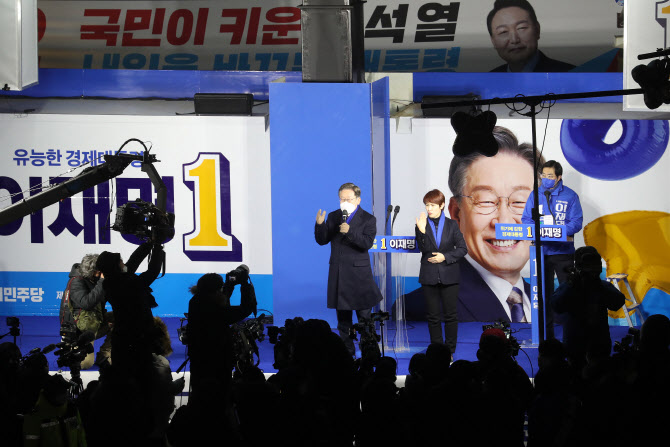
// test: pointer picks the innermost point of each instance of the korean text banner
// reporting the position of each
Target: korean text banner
(400, 36)
(217, 174)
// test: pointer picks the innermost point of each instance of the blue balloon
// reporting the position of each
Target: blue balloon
(641, 145)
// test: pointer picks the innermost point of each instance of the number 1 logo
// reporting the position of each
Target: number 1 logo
(208, 178)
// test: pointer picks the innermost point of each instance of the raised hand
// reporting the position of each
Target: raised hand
(421, 222)
(320, 217)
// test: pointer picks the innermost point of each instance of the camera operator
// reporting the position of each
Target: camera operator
(585, 299)
(132, 301)
(210, 344)
(84, 306)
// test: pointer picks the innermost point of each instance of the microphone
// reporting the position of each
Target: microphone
(388, 213)
(395, 214)
(547, 194)
(345, 216)
(48, 348)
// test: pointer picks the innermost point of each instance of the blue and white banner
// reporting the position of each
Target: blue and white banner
(217, 173)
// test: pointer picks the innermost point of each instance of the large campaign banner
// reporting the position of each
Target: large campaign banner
(217, 174)
(400, 35)
(618, 168)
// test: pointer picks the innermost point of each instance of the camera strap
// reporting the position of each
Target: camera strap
(66, 301)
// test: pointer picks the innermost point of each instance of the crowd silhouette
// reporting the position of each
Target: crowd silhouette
(321, 396)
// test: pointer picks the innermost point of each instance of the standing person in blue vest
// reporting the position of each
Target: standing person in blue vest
(559, 205)
(351, 232)
(442, 245)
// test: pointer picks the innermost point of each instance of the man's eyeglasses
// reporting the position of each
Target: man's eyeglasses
(351, 200)
(486, 202)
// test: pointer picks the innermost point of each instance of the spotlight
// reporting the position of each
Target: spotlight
(653, 78)
(474, 133)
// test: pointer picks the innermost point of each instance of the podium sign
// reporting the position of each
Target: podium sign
(526, 232)
(394, 244)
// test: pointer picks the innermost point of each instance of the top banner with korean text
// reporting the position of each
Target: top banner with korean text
(400, 36)
(216, 170)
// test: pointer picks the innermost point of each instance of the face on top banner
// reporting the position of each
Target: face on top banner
(400, 36)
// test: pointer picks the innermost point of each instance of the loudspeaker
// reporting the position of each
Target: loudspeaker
(18, 44)
(223, 103)
(333, 48)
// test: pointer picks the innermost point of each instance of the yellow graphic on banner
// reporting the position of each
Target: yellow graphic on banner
(636, 243)
(208, 207)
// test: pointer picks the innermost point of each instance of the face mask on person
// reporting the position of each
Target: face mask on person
(348, 207)
(548, 183)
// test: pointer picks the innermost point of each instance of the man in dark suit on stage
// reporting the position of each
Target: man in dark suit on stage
(514, 31)
(486, 191)
(351, 232)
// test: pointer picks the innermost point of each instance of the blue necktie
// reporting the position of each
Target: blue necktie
(515, 303)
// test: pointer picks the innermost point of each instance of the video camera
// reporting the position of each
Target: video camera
(245, 334)
(628, 344)
(369, 342)
(145, 221)
(505, 327)
(284, 338)
(182, 330)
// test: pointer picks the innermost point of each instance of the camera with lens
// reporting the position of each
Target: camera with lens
(182, 330)
(145, 221)
(13, 324)
(238, 276)
(245, 334)
(69, 332)
(628, 344)
(369, 341)
(506, 328)
(379, 316)
(284, 338)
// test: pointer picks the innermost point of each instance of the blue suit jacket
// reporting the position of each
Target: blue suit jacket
(476, 300)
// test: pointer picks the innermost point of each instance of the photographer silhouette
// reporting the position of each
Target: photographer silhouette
(584, 299)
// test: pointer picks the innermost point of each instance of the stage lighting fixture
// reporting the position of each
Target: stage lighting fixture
(654, 80)
(474, 133)
(223, 103)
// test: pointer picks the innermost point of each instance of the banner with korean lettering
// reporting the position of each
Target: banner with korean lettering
(217, 173)
(400, 36)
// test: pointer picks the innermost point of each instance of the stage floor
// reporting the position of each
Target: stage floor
(38, 332)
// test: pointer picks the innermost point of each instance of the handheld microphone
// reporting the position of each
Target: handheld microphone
(388, 213)
(345, 216)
